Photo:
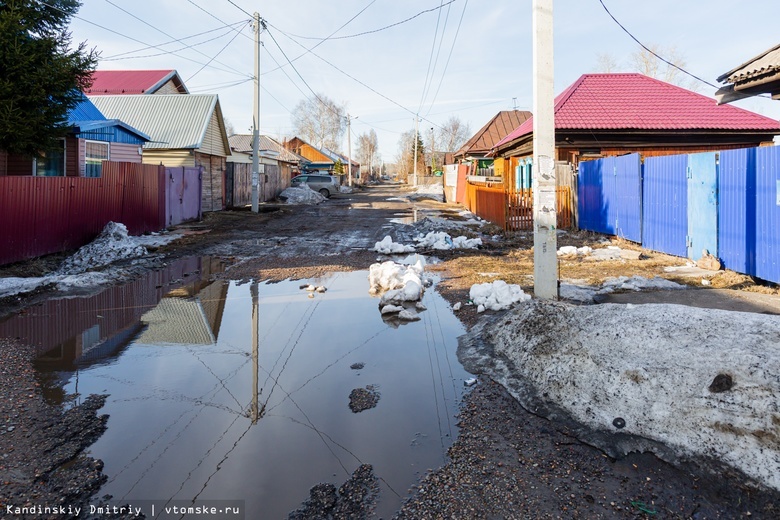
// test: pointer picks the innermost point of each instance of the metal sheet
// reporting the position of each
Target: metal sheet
(702, 204)
(767, 214)
(737, 192)
(610, 196)
(665, 204)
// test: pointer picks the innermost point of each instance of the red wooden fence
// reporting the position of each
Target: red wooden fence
(44, 215)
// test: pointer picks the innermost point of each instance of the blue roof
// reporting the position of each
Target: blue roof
(85, 110)
(86, 117)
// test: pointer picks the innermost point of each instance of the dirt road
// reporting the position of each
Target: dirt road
(506, 462)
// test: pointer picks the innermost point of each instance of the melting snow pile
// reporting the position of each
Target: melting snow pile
(586, 293)
(399, 285)
(442, 241)
(496, 296)
(111, 245)
(433, 192)
(388, 247)
(572, 250)
(301, 194)
(679, 381)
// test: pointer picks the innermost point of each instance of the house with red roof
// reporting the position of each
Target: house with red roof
(124, 82)
(477, 148)
(603, 115)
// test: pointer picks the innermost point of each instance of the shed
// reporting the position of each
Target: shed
(184, 131)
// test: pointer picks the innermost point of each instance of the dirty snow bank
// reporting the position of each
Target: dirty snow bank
(647, 372)
(432, 192)
(587, 293)
(301, 194)
(388, 247)
(113, 244)
(496, 296)
(438, 240)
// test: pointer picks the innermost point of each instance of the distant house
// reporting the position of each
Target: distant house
(760, 75)
(92, 139)
(337, 157)
(279, 166)
(184, 130)
(318, 159)
(603, 115)
(477, 149)
(124, 82)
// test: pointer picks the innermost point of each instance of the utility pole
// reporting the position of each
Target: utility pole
(433, 152)
(255, 410)
(416, 139)
(349, 147)
(544, 178)
(256, 122)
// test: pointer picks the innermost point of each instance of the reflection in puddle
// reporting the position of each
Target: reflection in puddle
(242, 392)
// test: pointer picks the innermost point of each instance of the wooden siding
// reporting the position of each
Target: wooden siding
(169, 158)
(168, 88)
(213, 191)
(3, 163)
(213, 144)
(72, 157)
(119, 152)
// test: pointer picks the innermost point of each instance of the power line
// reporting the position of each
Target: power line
(215, 56)
(645, 47)
(428, 74)
(217, 18)
(135, 39)
(447, 64)
(172, 41)
(124, 57)
(374, 30)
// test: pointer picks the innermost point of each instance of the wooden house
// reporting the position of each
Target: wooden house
(476, 151)
(92, 139)
(318, 159)
(279, 165)
(124, 82)
(184, 130)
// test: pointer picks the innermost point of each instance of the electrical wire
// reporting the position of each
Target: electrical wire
(173, 41)
(192, 46)
(215, 56)
(449, 57)
(429, 72)
(217, 18)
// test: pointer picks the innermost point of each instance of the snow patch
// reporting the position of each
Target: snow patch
(112, 244)
(443, 241)
(496, 296)
(301, 194)
(572, 250)
(388, 247)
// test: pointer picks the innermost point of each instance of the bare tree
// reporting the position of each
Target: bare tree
(367, 151)
(320, 121)
(606, 62)
(451, 136)
(646, 62)
(405, 156)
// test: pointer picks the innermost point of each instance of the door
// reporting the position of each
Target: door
(702, 204)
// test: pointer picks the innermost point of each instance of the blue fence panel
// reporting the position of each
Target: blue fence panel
(702, 204)
(768, 213)
(737, 199)
(610, 193)
(665, 204)
(628, 199)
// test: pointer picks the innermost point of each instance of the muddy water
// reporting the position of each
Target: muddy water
(193, 417)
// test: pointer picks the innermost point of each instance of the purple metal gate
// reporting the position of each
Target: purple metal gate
(183, 201)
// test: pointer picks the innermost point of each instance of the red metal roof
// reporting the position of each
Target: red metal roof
(630, 101)
(106, 82)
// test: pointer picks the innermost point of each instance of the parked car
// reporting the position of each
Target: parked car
(327, 185)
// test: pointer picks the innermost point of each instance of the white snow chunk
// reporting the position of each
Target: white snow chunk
(420, 306)
(390, 309)
(346, 189)
(457, 306)
(399, 283)
(470, 382)
(387, 246)
(497, 295)
(408, 315)
(480, 308)
(572, 250)
(301, 194)
(579, 293)
(443, 241)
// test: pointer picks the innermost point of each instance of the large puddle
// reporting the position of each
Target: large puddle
(221, 391)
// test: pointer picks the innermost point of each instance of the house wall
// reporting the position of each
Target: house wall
(213, 144)
(72, 157)
(119, 152)
(168, 88)
(3, 163)
(169, 158)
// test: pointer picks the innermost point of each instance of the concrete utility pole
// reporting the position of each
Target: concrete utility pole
(416, 139)
(255, 411)
(256, 122)
(349, 147)
(433, 151)
(544, 179)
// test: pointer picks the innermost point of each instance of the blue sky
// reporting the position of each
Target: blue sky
(489, 65)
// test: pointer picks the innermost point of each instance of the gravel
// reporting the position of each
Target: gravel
(361, 399)
(354, 500)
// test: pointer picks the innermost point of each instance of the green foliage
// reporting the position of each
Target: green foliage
(41, 77)
(339, 167)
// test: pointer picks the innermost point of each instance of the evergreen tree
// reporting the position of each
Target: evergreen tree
(41, 77)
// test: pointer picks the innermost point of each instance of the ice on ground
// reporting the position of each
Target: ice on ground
(497, 295)
(408, 315)
(388, 247)
(654, 367)
(443, 241)
(113, 244)
(396, 199)
(577, 293)
(301, 194)
(637, 283)
(390, 309)
(572, 250)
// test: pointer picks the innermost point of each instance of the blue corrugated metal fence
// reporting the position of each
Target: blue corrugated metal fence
(726, 203)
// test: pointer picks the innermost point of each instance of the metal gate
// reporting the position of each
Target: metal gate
(183, 201)
(702, 172)
(610, 196)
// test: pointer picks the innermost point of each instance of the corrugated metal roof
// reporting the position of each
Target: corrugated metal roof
(85, 110)
(629, 101)
(118, 82)
(177, 321)
(494, 130)
(766, 62)
(172, 121)
(243, 143)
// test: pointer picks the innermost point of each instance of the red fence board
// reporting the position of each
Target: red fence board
(44, 215)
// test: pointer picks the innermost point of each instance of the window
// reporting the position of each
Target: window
(51, 163)
(96, 153)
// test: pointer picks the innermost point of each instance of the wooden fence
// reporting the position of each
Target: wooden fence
(44, 215)
(273, 179)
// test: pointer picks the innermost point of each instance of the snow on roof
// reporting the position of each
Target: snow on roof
(630, 101)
